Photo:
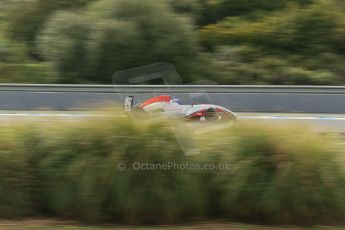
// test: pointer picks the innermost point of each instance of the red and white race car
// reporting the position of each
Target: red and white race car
(166, 105)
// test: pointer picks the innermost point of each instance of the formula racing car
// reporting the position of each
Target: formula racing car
(166, 105)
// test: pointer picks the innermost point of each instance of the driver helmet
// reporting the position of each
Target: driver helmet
(176, 101)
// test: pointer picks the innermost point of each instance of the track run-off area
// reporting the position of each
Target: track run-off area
(333, 123)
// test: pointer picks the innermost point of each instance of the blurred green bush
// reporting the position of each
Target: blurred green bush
(307, 30)
(25, 18)
(210, 41)
(247, 64)
(287, 46)
(278, 175)
(26, 73)
(110, 36)
(69, 170)
(82, 181)
(15, 177)
(215, 11)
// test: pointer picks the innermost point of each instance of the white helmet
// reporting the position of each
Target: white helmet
(176, 101)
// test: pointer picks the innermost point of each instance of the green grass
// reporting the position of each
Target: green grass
(281, 174)
(68, 170)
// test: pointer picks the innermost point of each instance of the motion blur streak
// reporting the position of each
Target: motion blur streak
(332, 123)
(83, 170)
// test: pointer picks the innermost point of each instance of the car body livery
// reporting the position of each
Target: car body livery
(166, 105)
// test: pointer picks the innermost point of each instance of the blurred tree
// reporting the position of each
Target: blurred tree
(114, 45)
(64, 43)
(12, 52)
(186, 6)
(309, 29)
(116, 35)
(26, 18)
(248, 65)
(216, 10)
(244, 41)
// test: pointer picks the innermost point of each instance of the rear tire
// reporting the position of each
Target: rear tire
(211, 115)
(139, 113)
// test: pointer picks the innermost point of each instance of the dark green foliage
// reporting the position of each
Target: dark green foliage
(191, 7)
(115, 35)
(87, 41)
(26, 73)
(307, 30)
(77, 170)
(279, 176)
(69, 170)
(27, 17)
(247, 65)
(295, 46)
(65, 43)
(214, 11)
(15, 178)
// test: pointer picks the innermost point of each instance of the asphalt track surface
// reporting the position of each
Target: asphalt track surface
(244, 102)
(325, 123)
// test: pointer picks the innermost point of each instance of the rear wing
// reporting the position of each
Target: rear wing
(129, 101)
